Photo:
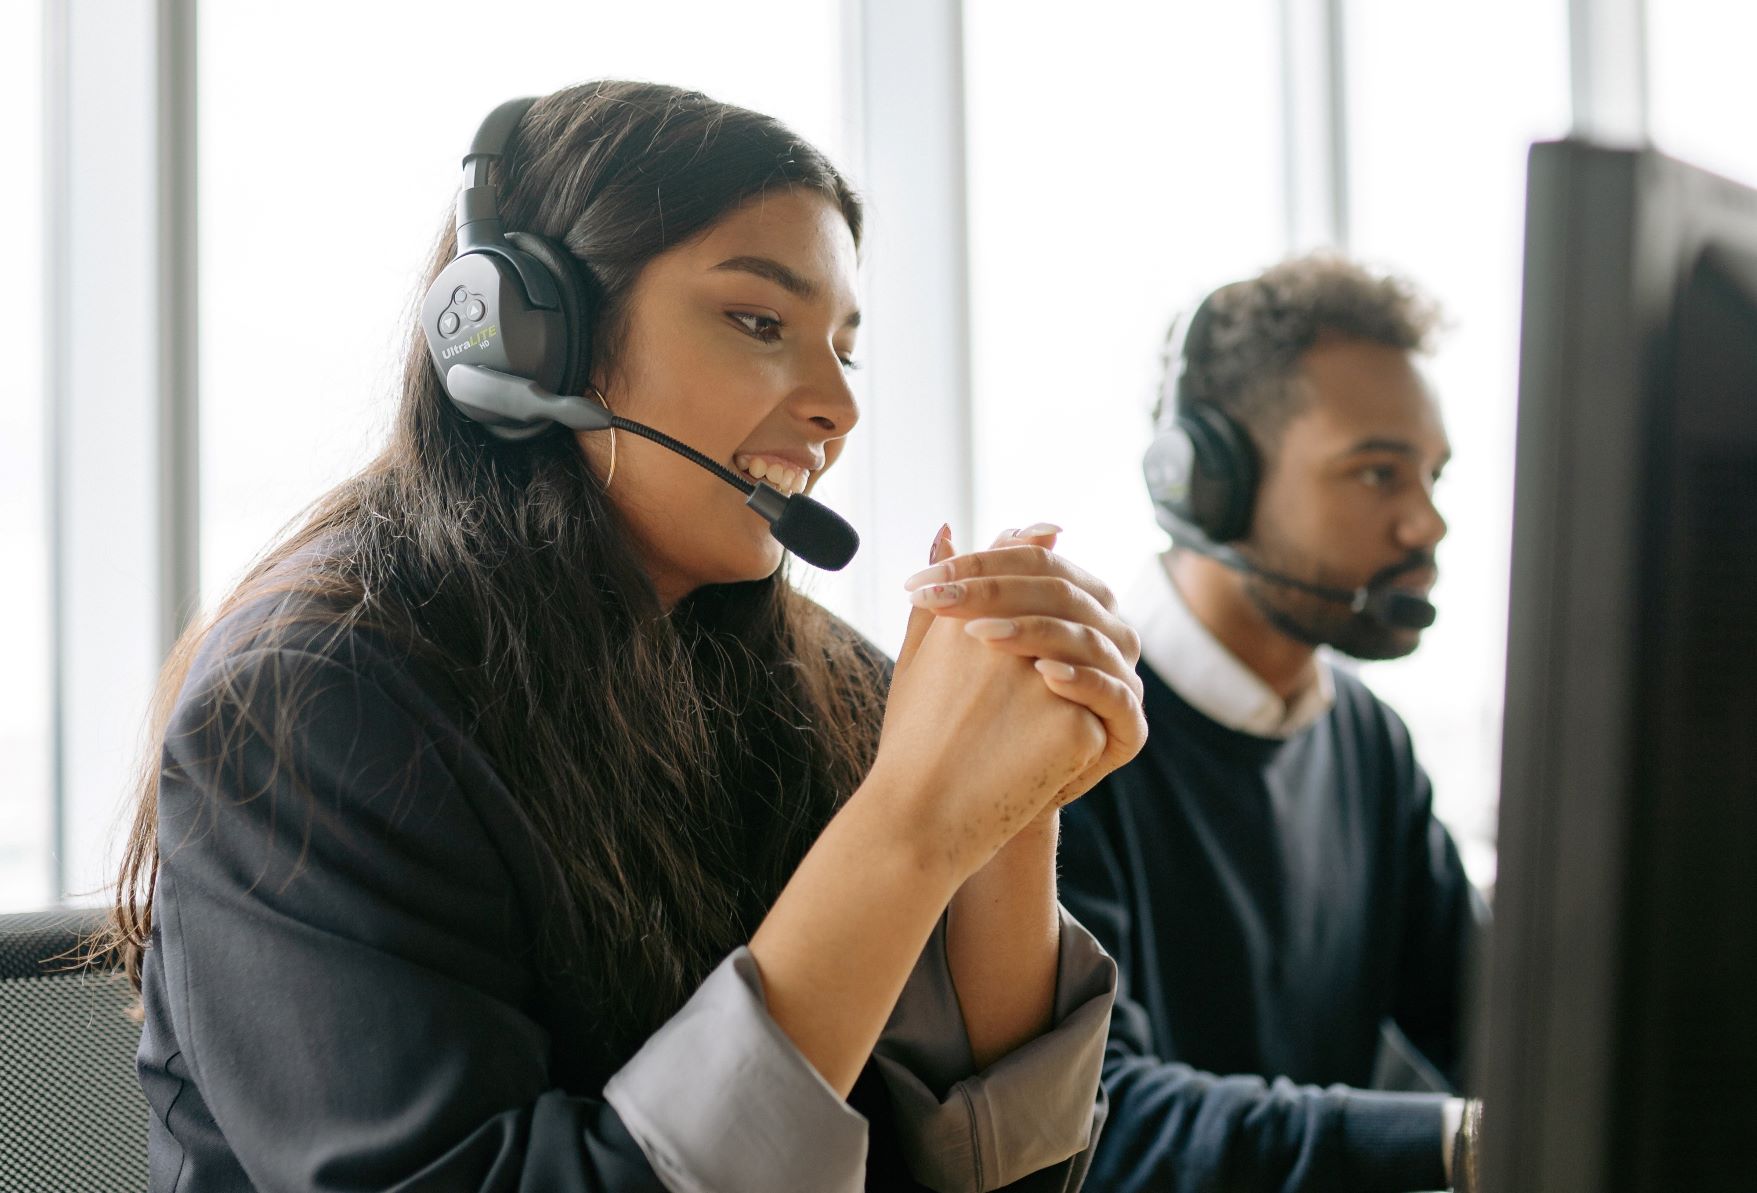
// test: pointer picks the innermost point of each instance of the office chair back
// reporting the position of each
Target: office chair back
(72, 1117)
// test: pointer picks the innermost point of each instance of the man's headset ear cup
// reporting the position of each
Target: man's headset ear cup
(1213, 452)
(575, 292)
(1224, 475)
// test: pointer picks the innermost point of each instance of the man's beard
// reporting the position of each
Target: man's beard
(1316, 621)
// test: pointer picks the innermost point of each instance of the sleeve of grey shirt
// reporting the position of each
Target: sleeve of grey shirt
(1028, 1121)
(678, 1096)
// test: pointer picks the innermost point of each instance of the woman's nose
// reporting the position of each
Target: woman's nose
(827, 398)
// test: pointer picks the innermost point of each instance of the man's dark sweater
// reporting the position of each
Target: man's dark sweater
(1271, 904)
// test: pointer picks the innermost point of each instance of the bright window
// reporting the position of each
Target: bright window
(26, 812)
(1701, 89)
(1437, 192)
(1122, 161)
(331, 134)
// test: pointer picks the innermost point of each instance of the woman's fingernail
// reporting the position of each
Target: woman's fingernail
(1054, 669)
(1038, 530)
(990, 628)
(937, 596)
(942, 544)
(932, 575)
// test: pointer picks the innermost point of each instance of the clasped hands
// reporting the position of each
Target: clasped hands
(1015, 689)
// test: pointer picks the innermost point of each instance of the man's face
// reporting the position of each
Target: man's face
(1348, 496)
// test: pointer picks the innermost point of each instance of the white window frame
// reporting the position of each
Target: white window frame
(905, 103)
(120, 384)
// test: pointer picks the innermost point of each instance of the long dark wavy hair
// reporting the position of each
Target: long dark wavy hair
(635, 741)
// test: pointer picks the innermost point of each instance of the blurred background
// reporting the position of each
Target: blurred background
(217, 214)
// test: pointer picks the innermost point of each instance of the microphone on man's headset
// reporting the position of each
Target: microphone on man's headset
(1393, 607)
(808, 529)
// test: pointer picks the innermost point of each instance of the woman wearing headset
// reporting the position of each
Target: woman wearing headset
(517, 826)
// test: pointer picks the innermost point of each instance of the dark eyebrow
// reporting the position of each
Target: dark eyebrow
(772, 270)
(1396, 447)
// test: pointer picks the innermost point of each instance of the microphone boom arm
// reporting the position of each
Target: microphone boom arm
(517, 408)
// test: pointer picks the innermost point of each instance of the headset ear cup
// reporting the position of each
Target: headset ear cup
(1223, 480)
(576, 307)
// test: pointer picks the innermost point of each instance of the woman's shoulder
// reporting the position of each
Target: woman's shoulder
(304, 622)
(298, 688)
(854, 672)
(844, 644)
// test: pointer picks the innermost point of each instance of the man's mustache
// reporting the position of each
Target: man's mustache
(1419, 561)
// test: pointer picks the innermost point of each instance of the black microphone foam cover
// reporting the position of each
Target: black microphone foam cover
(815, 533)
(1402, 610)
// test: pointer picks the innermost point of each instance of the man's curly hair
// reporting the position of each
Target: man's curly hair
(1256, 331)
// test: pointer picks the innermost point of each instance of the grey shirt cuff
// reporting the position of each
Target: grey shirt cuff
(721, 1101)
(1038, 1107)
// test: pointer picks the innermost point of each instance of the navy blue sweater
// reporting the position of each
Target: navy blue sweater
(1272, 904)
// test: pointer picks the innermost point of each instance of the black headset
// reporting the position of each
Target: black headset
(508, 324)
(513, 302)
(1202, 469)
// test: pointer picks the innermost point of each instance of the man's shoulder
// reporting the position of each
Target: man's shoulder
(1163, 705)
(1357, 702)
(1379, 737)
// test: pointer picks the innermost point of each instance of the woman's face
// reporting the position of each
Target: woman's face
(738, 344)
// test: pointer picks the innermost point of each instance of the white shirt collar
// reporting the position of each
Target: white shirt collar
(1193, 663)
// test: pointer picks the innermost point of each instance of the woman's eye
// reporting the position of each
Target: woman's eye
(767, 328)
(1377, 476)
(763, 327)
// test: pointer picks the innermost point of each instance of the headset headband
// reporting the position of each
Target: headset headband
(478, 218)
(478, 208)
(1189, 334)
(1201, 468)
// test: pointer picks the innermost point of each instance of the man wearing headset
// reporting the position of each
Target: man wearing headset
(1268, 872)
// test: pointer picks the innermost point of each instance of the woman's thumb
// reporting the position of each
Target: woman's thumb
(920, 619)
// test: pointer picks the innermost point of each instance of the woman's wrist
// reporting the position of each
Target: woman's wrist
(901, 817)
(839, 943)
(921, 814)
(1028, 856)
(1002, 943)
(1020, 878)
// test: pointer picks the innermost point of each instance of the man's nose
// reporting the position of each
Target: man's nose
(1423, 526)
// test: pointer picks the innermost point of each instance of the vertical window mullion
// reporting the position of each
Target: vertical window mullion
(1607, 51)
(179, 496)
(108, 333)
(914, 446)
(1314, 113)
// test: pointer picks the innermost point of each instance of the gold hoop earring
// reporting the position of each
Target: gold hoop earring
(610, 474)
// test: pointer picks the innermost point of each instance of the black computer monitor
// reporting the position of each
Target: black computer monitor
(1618, 1046)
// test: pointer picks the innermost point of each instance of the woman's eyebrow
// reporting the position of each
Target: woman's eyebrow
(772, 270)
(767, 267)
